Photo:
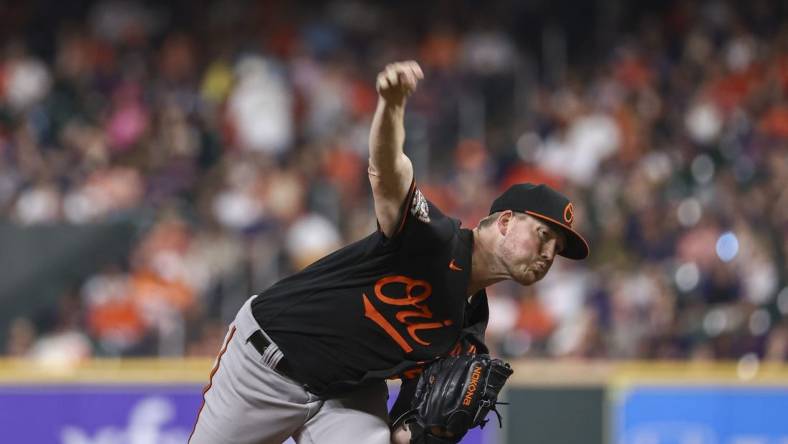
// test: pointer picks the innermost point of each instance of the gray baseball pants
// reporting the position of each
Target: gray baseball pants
(247, 401)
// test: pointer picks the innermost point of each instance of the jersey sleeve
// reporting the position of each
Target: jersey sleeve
(422, 225)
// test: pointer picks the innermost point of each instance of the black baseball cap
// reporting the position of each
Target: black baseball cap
(550, 206)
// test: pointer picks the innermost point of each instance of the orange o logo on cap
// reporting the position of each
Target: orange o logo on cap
(569, 213)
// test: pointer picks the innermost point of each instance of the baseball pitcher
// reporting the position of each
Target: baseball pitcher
(308, 357)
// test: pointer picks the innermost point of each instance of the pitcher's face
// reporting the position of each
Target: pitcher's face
(528, 248)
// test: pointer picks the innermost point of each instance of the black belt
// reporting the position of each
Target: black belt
(260, 343)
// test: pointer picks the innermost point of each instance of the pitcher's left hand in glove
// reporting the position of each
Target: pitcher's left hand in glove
(453, 395)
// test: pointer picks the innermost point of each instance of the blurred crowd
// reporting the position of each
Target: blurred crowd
(243, 127)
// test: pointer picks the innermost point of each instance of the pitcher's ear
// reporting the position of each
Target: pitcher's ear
(504, 220)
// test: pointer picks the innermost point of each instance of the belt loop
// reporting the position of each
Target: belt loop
(272, 356)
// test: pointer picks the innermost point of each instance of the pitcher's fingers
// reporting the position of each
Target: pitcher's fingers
(415, 71)
(393, 78)
(414, 66)
(382, 82)
(410, 79)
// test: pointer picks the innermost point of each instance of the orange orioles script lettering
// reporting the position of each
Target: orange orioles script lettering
(416, 292)
(473, 386)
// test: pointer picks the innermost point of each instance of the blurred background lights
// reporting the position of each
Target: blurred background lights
(528, 146)
(782, 301)
(516, 343)
(759, 322)
(727, 246)
(689, 212)
(703, 122)
(747, 366)
(657, 166)
(702, 169)
(687, 276)
(715, 322)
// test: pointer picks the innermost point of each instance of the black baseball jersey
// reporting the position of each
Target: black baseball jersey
(378, 307)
